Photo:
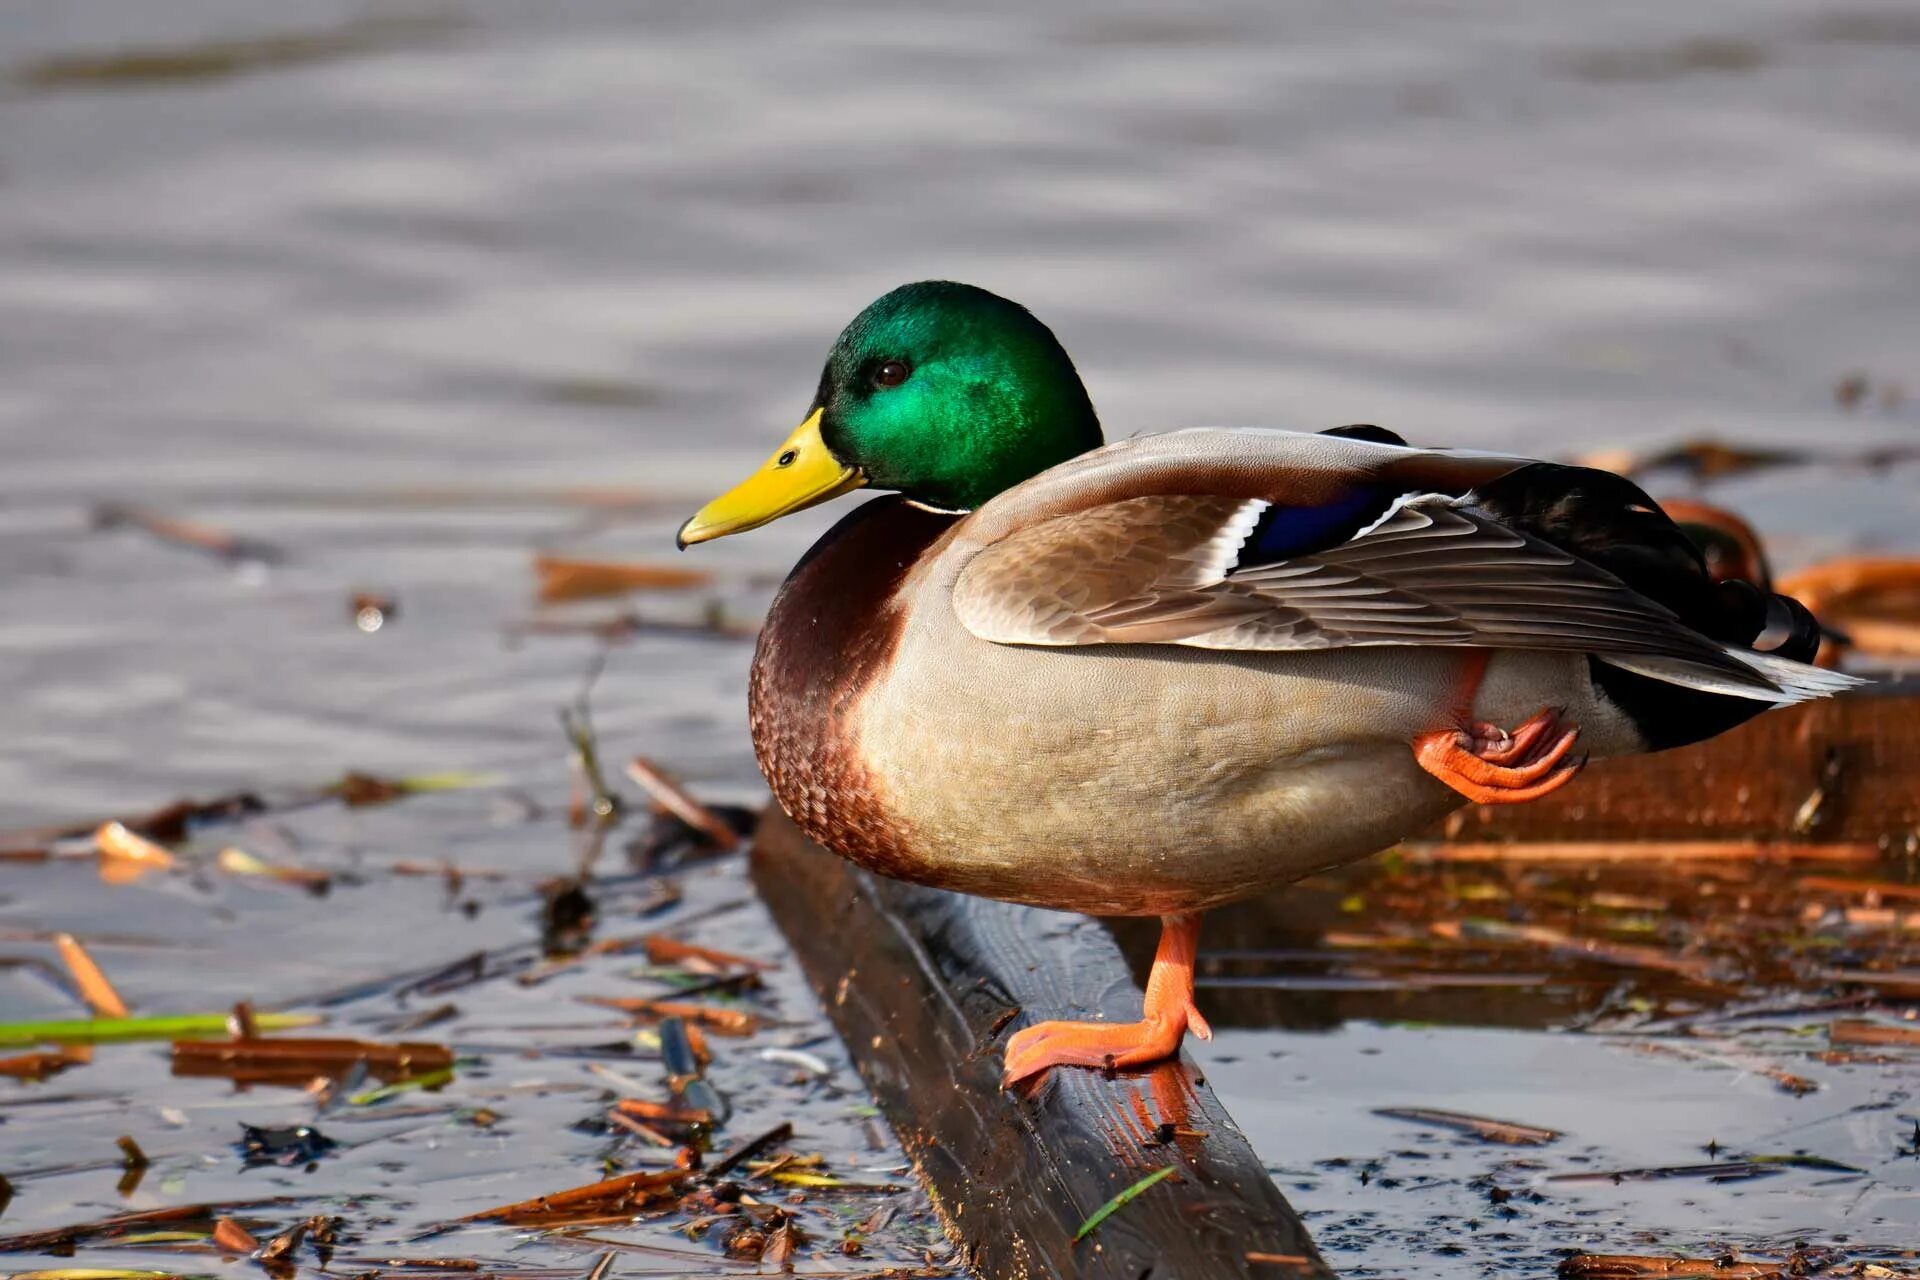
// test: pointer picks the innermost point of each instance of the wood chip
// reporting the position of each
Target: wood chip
(38, 1066)
(562, 579)
(115, 841)
(233, 1237)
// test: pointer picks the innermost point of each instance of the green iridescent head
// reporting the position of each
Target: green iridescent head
(944, 392)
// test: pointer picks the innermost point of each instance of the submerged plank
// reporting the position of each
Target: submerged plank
(925, 986)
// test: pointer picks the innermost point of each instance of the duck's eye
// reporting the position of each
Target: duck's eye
(786, 458)
(890, 374)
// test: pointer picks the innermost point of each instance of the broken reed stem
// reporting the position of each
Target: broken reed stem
(162, 1027)
(586, 757)
(94, 987)
(677, 800)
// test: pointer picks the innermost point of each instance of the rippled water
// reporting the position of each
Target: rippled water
(405, 290)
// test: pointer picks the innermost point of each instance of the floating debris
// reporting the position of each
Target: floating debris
(169, 1026)
(1625, 955)
(371, 611)
(1859, 852)
(1501, 1131)
(118, 844)
(429, 1080)
(233, 1237)
(361, 790)
(727, 1022)
(662, 1112)
(563, 579)
(670, 795)
(817, 1067)
(613, 1196)
(219, 59)
(308, 1057)
(40, 1066)
(94, 987)
(665, 950)
(118, 1226)
(284, 1145)
(239, 862)
(1855, 1031)
(1742, 1170)
(686, 1072)
(751, 1149)
(1600, 1266)
(192, 534)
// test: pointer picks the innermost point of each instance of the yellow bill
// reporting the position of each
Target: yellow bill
(801, 472)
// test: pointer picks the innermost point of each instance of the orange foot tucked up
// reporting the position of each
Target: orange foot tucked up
(1488, 765)
(1169, 1016)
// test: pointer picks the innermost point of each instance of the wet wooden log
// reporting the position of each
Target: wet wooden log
(1842, 771)
(925, 987)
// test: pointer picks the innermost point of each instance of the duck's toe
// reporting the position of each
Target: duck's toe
(1488, 765)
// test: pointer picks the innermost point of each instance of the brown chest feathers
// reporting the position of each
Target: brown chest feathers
(832, 629)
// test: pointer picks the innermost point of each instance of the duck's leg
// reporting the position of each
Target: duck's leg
(1169, 1015)
(1489, 765)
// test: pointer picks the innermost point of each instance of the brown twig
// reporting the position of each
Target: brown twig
(613, 1195)
(727, 1022)
(677, 800)
(664, 950)
(193, 534)
(314, 1056)
(1502, 1131)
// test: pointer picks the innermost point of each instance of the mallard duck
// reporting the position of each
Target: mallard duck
(1154, 676)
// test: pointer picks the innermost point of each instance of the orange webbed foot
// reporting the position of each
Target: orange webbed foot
(1112, 1045)
(1490, 766)
(1169, 1011)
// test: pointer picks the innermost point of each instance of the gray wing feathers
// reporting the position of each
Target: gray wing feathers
(1433, 572)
